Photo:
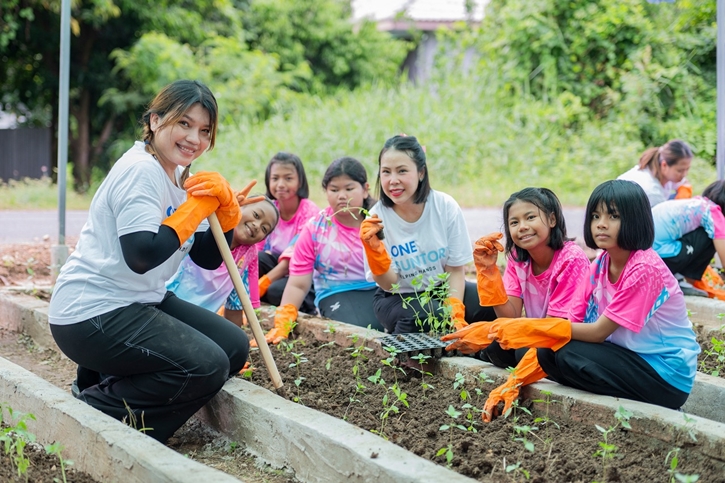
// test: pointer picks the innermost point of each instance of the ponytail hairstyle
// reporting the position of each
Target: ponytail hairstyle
(352, 168)
(671, 153)
(171, 103)
(412, 148)
(548, 204)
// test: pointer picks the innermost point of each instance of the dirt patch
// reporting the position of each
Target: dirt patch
(444, 425)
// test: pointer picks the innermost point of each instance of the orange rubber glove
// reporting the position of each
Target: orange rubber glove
(491, 290)
(684, 191)
(220, 312)
(474, 337)
(209, 183)
(185, 220)
(284, 319)
(264, 283)
(458, 313)
(242, 195)
(527, 372)
(378, 258)
(551, 333)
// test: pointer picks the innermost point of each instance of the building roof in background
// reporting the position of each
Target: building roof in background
(426, 14)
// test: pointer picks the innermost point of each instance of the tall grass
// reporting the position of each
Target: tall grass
(38, 194)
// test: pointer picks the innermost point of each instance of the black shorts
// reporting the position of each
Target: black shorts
(695, 255)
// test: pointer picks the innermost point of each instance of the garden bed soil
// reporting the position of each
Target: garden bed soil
(562, 450)
(43, 468)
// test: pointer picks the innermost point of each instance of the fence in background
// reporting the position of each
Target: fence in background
(25, 153)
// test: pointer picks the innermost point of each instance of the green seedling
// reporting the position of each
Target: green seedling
(714, 356)
(299, 360)
(15, 437)
(471, 417)
(516, 469)
(330, 344)
(131, 420)
(448, 450)
(545, 420)
(56, 449)
(608, 450)
(390, 361)
(523, 432)
(422, 361)
(460, 381)
(430, 296)
(672, 460)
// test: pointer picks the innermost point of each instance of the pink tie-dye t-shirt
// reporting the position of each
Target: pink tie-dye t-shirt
(648, 305)
(281, 241)
(333, 253)
(551, 292)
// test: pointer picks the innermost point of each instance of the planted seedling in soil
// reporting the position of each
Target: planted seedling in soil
(434, 314)
(15, 437)
(299, 360)
(607, 450)
(673, 458)
(422, 359)
(55, 449)
(448, 450)
(713, 359)
(545, 420)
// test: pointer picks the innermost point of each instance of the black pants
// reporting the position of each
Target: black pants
(397, 319)
(267, 262)
(694, 257)
(611, 370)
(162, 362)
(500, 357)
(353, 307)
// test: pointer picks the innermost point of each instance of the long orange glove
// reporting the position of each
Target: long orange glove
(264, 283)
(378, 258)
(458, 313)
(474, 337)
(551, 333)
(491, 290)
(684, 191)
(527, 371)
(185, 220)
(209, 183)
(284, 319)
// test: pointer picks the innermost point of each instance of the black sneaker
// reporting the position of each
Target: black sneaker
(74, 389)
(688, 289)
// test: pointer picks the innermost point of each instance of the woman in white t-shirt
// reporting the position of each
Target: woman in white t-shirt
(141, 349)
(661, 172)
(425, 238)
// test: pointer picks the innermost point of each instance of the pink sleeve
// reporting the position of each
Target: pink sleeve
(580, 302)
(511, 281)
(303, 258)
(718, 220)
(635, 297)
(572, 275)
(253, 277)
(307, 209)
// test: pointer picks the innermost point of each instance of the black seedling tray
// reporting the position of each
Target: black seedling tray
(411, 345)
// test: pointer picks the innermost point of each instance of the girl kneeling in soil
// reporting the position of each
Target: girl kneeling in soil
(213, 289)
(286, 184)
(328, 252)
(425, 237)
(161, 358)
(635, 340)
(543, 272)
(689, 232)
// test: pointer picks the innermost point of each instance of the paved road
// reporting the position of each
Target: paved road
(31, 226)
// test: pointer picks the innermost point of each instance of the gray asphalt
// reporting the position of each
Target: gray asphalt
(26, 226)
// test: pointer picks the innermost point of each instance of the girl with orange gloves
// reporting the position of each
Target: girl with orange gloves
(140, 349)
(661, 172)
(214, 289)
(329, 254)
(635, 340)
(425, 235)
(543, 271)
(286, 184)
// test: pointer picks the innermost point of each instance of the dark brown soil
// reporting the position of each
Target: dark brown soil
(562, 451)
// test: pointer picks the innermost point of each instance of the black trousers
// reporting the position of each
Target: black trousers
(397, 319)
(500, 357)
(353, 307)
(611, 370)
(267, 262)
(694, 257)
(161, 362)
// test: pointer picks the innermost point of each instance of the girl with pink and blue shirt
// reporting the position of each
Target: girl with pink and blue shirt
(689, 232)
(286, 184)
(544, 268)
(329, 255)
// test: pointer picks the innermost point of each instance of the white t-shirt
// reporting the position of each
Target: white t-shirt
(137, 195)
(438, 239)
(651, 185)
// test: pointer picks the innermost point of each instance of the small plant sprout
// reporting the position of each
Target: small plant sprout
(434, 315)
(608, 450)
(448, 450)
(713, 359)
(299, 360)
(15, 437)
(460, 381)
(470, 416)
(545, 420)
(132, 421)
(516, 469)
(422, 360)
(330, 344)
(55, 449)
(523, 432)
(247, 373)
(672, 460)
(390, 361)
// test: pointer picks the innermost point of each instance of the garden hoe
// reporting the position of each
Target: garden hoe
(221, 242)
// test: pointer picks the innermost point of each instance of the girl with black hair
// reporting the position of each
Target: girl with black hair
(689, 232)
(328, 254)
(543, 271)
(629, 334)
(425, 236)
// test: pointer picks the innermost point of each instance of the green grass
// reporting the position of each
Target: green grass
(38, 194)
(482, 145)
